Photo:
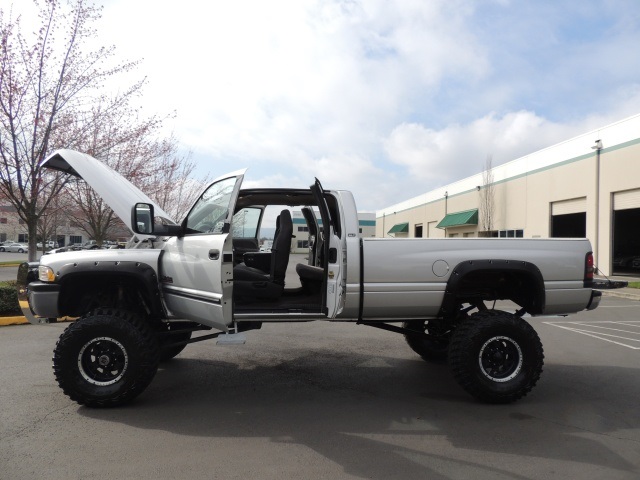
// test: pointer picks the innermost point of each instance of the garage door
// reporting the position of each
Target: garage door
(626, 200)
(565, 207)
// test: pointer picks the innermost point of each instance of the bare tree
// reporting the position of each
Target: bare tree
(126, 142)
(487, 198)
(49, 86)
(172, 185)
(49, 222)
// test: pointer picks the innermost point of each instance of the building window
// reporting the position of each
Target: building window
(511, 233)
(3, 220)
(3, 237)
(75, 239)
(303, 243)
(418, 231)
(360, 230)
(23, 238)
(20, 221)
(303, 229)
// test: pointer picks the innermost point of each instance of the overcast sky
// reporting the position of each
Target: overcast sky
(387, 98)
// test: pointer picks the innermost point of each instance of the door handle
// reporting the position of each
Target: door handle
(214, 254)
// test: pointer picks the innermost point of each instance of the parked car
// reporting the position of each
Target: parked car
(15, 247)
(90, 245)
(50, 244)
(66, 248)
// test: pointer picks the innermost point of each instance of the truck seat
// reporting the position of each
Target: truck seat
(310, 277)
(253, 283)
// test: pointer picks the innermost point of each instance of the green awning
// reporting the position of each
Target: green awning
(458, 219)
(400, 228)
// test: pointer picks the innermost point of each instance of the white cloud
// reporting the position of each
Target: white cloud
(437, 157)
(260, 78)
(388, 99)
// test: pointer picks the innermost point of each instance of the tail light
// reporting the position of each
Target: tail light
(588, 270)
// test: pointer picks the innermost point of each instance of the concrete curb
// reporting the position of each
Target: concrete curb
(622, 294)
(4, 321)
(20, 320)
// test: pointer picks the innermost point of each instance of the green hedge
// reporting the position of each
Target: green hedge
(9, 299)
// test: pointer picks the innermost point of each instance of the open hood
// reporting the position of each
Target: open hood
(118, 192)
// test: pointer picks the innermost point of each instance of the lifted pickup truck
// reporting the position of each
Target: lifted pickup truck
(139, 306)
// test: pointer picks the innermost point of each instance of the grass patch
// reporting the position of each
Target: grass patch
(634, 284)
(9, 299)
(10, 263)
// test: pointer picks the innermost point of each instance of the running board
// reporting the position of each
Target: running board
(232, 339)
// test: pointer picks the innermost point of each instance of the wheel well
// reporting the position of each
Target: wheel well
(81, 293)
(489, 280)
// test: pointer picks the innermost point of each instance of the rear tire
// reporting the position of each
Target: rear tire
(432, 349)
(106, 358)
(496, 356)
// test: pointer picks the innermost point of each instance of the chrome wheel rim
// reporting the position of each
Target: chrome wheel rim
(500, 359)
(103, 361)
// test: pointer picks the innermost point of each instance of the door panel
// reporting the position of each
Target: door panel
(197, 268)
(315, 243)
(333, 252)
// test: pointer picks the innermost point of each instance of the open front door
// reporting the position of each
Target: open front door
(196, 270)
(333, 253)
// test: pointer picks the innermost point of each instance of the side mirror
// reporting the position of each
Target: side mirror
(142, 222)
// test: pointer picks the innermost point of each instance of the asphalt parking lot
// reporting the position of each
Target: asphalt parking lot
(326, 400)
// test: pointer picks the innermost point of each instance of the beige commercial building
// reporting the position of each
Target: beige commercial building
(300, 240)
(588, 186)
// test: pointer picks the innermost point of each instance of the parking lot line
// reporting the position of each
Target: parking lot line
(589, 329)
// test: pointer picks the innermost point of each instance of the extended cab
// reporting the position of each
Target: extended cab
(140, 306)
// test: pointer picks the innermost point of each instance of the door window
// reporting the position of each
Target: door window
(246, 222)
(211, 211)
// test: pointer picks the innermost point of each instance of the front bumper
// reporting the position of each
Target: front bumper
(38, 300)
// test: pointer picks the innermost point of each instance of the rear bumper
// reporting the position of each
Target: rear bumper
(596, 296)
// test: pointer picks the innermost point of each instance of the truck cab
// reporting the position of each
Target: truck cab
(211, 269)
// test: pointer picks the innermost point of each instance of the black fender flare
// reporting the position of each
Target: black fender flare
(142, 272)
(463, 269)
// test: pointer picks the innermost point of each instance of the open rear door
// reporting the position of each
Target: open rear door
(334, 255)
(315, 243)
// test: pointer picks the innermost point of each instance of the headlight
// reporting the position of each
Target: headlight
(45, 274)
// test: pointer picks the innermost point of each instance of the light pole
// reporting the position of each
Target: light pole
(446, 198)
(596, 243)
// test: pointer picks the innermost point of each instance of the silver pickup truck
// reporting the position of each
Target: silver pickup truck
(139, 306)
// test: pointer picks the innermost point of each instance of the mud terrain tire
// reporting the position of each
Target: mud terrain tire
(496, 356)
(106, 358)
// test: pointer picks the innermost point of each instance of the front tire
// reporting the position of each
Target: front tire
(497, 357)
(168, 349)
(106, 358)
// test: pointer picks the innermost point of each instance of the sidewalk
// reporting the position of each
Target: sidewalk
(629, 293)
